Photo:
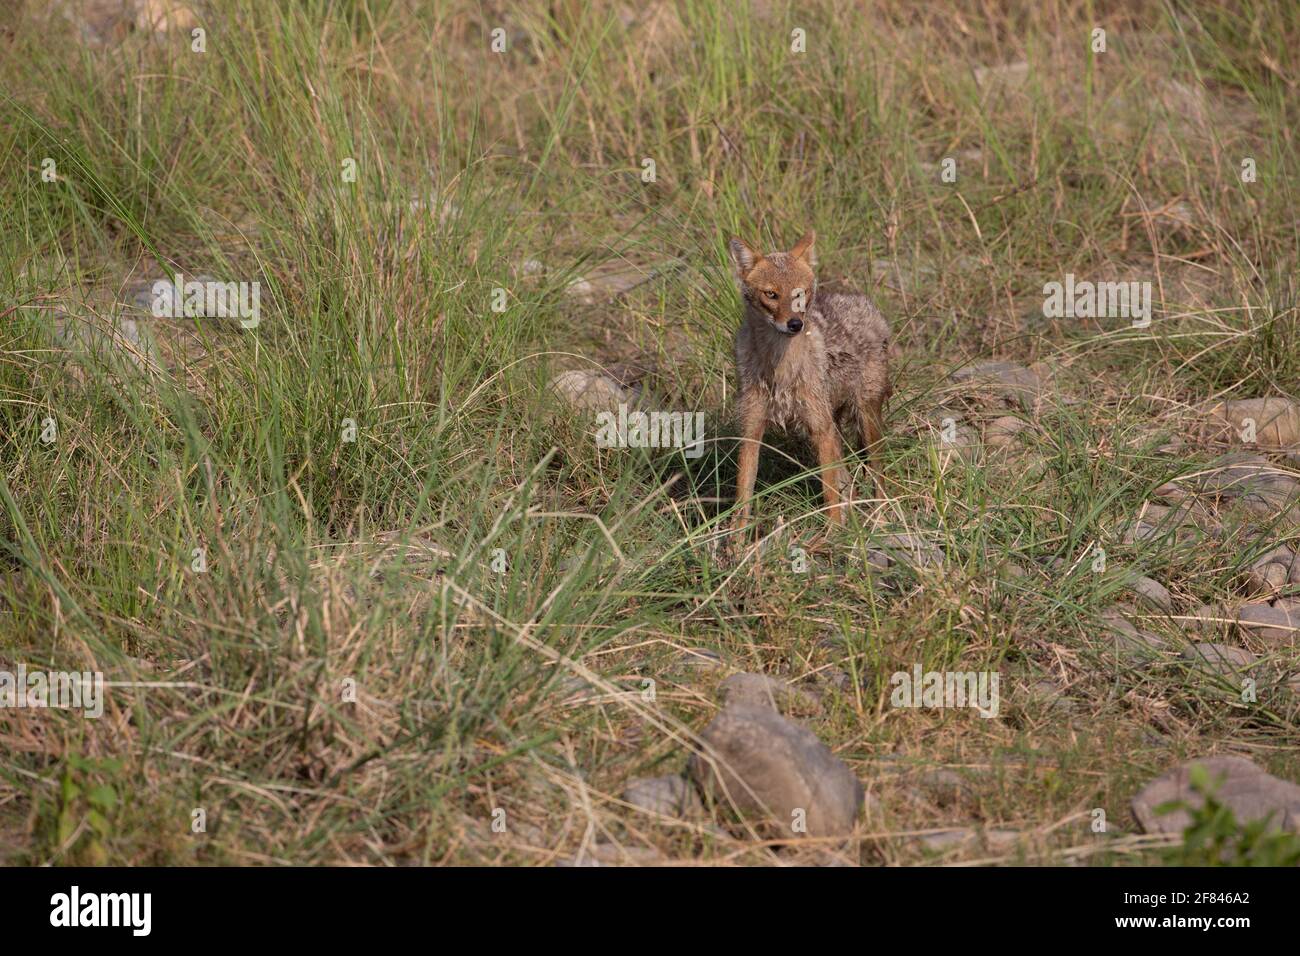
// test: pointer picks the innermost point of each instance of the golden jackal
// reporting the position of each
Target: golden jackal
(805, 361)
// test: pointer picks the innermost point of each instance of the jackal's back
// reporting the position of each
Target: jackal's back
(857, 343)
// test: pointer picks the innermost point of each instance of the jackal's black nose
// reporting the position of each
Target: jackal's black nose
(794, 325)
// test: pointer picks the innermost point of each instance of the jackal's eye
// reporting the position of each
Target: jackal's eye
(770, 294)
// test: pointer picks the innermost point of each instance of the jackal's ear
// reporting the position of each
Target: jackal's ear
(803, 249)
(742, 257)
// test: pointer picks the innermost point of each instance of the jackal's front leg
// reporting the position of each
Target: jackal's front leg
(829, 453)
(753, 421)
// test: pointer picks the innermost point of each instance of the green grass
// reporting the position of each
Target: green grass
(372, 560)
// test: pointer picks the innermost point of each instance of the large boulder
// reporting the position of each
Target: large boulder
(1246, 789)
(777, 773)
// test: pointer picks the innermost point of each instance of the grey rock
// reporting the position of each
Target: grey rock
(1005, 381)
(1219, 658)
(1278, 553)
(942, 840)
(1002, 431)
(878, 560)
(996, 841)
(1153, 592)
(202, 301)
(1248, 479)
(1187, 521)
(1268, 578)
(1247, 790)
(166, 303)
(576, 687)
(1116, 622)
(814, 854)
(103, 338)
(952, 437)
(590, 390)
(1207, 619)
(910, 549)
(1010, 74)
(1165, 440)
(594, 289)
(671, 795)
(1140, 531)
(769, 768)
(1130, 642)
(1276, 421)
(765, 691)
(611, 854)
(1048, 694)
(614, 282)
(1276, 624)
(1272, 571)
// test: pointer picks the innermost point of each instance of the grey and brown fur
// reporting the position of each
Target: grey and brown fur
(807, 362)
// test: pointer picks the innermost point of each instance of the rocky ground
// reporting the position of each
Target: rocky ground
(368, 587)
